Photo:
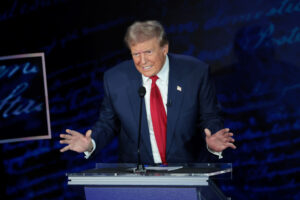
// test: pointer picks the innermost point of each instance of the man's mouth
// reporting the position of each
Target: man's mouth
(147, 67)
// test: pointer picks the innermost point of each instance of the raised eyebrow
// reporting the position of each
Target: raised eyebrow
(137, 53)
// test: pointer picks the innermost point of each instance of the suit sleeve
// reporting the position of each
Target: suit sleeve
(107, 126)
(210, 112)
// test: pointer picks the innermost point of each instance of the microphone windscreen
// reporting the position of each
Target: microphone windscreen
(142, 91)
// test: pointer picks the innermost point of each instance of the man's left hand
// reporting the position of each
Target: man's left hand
(220, 140)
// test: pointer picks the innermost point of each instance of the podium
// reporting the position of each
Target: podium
(172, 182)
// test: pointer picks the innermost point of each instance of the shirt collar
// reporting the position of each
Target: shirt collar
(163, 74)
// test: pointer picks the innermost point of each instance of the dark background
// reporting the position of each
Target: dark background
(251, 46)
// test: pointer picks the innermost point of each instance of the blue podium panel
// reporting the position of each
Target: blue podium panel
(138, 193)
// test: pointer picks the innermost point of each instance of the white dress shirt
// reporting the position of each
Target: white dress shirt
(162, 83)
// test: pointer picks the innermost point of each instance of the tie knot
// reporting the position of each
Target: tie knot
(154, 78)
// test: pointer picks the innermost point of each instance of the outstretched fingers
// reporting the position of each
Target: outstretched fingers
(66, 148)
(72, 132)
(231, 145)
(66, 136)
(220, 140)
(88, 133)
(223, 131)
(67, 139)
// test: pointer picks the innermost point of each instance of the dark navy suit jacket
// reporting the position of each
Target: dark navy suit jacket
(190, 110)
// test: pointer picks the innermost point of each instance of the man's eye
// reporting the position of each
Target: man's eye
(135, 54)
(148, 52)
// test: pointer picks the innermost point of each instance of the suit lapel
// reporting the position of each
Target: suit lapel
(175, 97)
(135, 82)
(135, 79)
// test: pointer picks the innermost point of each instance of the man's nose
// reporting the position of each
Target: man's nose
(143, 58)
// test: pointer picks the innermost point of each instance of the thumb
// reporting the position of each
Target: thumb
(207, 132)
(88, 133)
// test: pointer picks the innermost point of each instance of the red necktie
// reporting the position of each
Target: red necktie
(159, 119)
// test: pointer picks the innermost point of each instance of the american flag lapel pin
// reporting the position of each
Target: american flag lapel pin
(179, 88)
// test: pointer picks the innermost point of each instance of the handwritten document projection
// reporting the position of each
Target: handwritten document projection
(24, 110)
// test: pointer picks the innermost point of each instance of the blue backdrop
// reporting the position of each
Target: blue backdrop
(251, 46)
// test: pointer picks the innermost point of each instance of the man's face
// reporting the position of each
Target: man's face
(149, 57)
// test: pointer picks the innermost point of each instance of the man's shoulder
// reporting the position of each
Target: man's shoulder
(188, 61)
(120, 70)
(122, 66)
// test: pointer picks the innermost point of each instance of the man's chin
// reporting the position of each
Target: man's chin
(148, 74)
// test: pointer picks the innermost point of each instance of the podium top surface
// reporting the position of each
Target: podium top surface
(117, 173)
(178, 174)
(195, 169)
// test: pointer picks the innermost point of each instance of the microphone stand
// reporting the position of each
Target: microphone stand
(140, 168)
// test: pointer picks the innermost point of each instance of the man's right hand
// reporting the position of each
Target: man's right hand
(76, 141)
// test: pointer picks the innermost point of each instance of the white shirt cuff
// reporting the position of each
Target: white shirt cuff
(87, 154)
(219, 154)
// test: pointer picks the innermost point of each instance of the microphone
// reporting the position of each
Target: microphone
(140, 167)
(142, 91)
(169, 103)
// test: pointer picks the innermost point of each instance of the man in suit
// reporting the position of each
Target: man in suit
(180, 108)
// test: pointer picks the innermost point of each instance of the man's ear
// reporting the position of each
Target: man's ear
(166, 49)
